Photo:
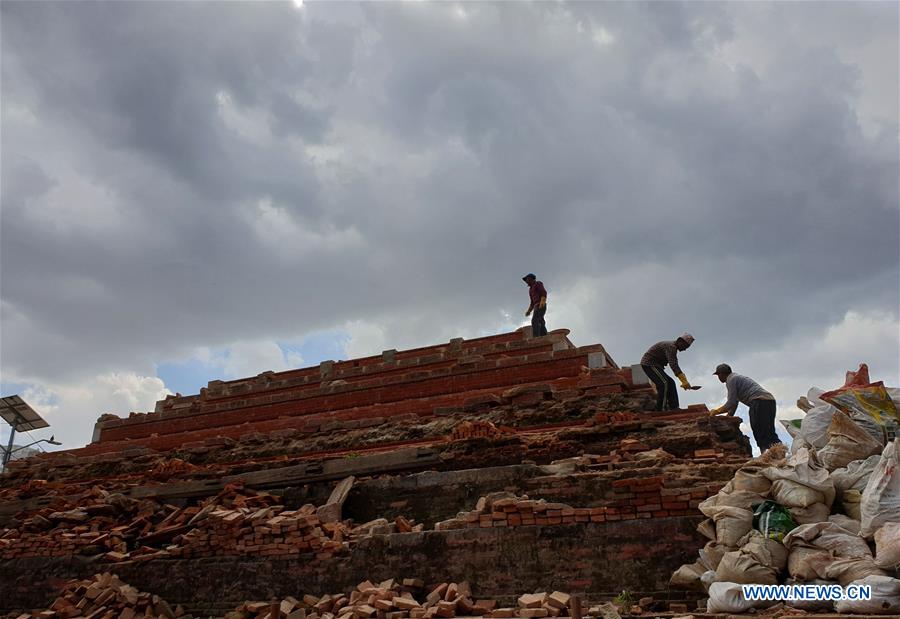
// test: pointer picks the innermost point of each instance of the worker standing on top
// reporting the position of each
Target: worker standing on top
(538, 295)
(760, 402)
(655, 359)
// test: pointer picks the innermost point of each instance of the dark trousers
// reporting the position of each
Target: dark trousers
(666, 393)
(762, 422)
(538, 327)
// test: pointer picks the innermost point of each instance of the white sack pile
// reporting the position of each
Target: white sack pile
(841, 486)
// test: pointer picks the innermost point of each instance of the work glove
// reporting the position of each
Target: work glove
(684, 381)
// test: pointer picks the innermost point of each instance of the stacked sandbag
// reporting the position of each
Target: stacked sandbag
(847, 442)
(871, 405)
(727, 597)
(854, 476)
(829, 552)
(845, 522)
(711, 555)
(885, 599)
(773, 522)
(750, 478)
(814, 426)
(731, 510)
(759, 560)
(732, 523)
(804, 486)
(688, 577)
(850, 481)
(887, 546)
(851, 503)
(880, 502)
(729, 521)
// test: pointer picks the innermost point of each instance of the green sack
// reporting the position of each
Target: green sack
(773, 520)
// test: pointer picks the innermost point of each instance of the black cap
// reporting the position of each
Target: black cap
(530, 275)
(722, 368)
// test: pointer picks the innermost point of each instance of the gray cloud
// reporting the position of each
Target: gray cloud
(194, 174)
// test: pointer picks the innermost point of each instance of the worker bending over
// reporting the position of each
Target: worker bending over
(655, 359)
(538, 295)
(760, 402)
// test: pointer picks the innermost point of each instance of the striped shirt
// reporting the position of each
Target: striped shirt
(744, 390)
(661, 354)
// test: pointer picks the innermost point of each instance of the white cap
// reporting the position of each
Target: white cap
(687, 337)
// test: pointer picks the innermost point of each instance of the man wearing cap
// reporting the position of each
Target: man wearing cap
(538, 295)
(658, 357)
(760, 402)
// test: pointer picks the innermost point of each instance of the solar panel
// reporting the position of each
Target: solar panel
(19, 415)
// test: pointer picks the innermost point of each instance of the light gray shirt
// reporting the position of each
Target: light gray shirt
(744, 390)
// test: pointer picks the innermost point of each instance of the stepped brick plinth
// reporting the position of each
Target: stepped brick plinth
(591, 480)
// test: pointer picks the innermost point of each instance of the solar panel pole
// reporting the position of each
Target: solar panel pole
(9, 445)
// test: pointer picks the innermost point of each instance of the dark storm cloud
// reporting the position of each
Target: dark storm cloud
(193, 174)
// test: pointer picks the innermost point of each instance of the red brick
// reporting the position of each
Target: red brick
(674, 505)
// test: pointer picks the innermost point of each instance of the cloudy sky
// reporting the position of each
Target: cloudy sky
(194, 191)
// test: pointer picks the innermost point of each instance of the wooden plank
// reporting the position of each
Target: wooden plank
(258, 479)
(405, 459)
(177, 490)
(331, 511)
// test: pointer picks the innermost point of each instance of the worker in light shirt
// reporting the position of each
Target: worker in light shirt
(760, 402)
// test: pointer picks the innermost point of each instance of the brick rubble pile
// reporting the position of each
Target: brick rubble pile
(407, 599)
(106, 597)
(236, 521)
(271, 531)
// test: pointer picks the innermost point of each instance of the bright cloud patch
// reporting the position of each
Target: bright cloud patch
(72, 408)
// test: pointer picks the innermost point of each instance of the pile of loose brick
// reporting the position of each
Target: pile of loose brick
(405, 599)
(106, 597)
(238, 521)
(114, 525)
(97, 523)
(519, 511)
(604, 417)
(632, 452)
(274, 531)
(475, 429)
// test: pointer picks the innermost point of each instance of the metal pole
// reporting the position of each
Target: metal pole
(8, 452)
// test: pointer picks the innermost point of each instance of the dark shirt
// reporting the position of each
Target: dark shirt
(536, 291)
(661, 354)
